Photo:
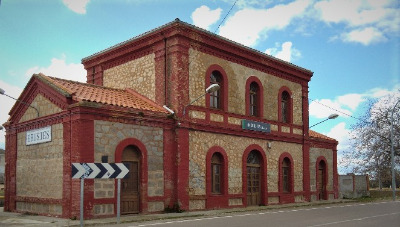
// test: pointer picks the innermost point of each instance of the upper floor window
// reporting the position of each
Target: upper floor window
(215, 97)
(254, 99)
(285, 107)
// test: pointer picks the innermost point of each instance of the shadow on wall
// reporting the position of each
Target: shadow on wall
(353, 186)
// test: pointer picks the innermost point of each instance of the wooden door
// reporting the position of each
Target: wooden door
(321, 181)
(130, 186)
(253, 186)
(253, 179)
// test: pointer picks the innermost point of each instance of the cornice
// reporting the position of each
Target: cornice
(207, 42)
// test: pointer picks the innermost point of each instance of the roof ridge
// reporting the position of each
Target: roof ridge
(321, 135)
(84, 83)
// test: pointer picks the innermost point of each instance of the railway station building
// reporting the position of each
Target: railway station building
(145, 103)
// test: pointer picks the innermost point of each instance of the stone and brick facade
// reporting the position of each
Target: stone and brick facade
(118, 116)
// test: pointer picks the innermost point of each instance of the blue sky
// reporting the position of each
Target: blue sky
(352, 46)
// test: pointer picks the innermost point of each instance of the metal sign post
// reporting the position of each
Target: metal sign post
(81, 205)
(119, 201)
(99, 171)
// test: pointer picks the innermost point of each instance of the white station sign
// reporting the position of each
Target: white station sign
(40, 135)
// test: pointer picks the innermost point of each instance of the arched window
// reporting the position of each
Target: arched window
(215, 97)
(285, 107)
(254, 94)
(286, 175)
(216, 173)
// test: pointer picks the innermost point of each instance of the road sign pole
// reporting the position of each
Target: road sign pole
(81, 205)
(119, 201)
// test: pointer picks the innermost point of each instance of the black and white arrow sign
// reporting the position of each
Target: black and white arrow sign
(99, 170)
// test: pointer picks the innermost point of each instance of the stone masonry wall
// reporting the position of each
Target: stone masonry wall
(201, 142)
(109, 134)
(237, 76)
(314, 154)
(44, 106)
(40, 171)
(138, 75)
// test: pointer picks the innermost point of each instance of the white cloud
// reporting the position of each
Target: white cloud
(6, 105)
(286, 53)
(351, 100)
(342, 135)
(59, 68)
(247, 25)
(78, 6)
(364, 36)
(204, 17)
(367, 21)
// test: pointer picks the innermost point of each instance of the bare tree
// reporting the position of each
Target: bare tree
(371, 141)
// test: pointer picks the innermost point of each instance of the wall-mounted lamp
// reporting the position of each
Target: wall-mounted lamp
(209, 90)
(168, 109)
(2, 92)
(269, 145)
(332, 116)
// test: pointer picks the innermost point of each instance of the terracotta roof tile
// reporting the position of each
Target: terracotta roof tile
(319, 135)
(105, 95)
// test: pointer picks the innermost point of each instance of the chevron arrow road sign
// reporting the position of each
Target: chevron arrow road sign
(99, 170)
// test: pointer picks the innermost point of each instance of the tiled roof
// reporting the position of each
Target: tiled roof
(319, 135)
(105, 95)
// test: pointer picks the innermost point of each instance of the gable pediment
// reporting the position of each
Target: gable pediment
(38, 99)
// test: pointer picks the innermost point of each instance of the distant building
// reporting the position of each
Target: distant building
(247, 144)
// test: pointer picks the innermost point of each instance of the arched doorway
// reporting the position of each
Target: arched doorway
(130, 186)
(321, 180)
(253, 169)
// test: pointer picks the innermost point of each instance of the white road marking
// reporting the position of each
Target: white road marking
(352, 220)
(275, 212)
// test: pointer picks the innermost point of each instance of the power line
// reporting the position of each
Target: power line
(312, 100)
(225, 17)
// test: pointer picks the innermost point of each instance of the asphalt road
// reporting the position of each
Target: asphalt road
(358, 214)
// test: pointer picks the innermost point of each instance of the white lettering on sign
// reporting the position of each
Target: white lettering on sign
(40, 135)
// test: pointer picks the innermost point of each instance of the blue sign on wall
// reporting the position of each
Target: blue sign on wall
(256, 126)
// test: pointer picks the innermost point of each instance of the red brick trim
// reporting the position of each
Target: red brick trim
(29, 199)
(260, 97)
(263, 167)
(217, 200)
(143, 170)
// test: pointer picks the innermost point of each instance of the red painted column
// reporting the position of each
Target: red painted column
(170, 169)
(67, 180)
(10, 170)
(160, 71)
(335, 174)
(177, 94)
(306, 145)
(82, 150)
(182, 166)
